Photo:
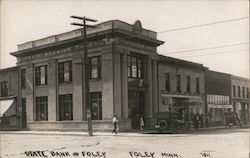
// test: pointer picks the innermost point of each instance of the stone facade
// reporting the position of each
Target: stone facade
(114, 86)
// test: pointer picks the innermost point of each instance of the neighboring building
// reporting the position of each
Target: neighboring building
(8, 98)
(181, 87)
(123, 77)
(241, 97)
(218, 96)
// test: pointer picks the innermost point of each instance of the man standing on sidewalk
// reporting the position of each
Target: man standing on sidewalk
(115, 122)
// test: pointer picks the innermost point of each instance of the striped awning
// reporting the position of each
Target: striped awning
(7, 107)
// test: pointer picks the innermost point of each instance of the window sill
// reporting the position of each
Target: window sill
(95, 79)
(41, 86)
(64, 83)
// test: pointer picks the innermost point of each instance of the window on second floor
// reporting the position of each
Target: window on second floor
(135, 67)
(197, 84)
(243, 92)
(41, 75)
(95, 67)
(167, 82)
(178, 83)
(4, 89)
(65, 72)
(23, 78)
(234, 91)
(238, 91)
(188, 84)
(247, 92)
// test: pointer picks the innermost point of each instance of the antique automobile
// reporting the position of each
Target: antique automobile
(232, 119)
(171, 122)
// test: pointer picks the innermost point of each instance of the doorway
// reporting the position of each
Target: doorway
(136, 108)
(23, 113)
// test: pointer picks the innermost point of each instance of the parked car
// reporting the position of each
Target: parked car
(171, 122)
(232, 119)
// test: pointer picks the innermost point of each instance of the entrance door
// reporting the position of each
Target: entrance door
(136, 108)
(23, 113)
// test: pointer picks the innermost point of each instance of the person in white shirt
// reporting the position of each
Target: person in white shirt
(115, 122)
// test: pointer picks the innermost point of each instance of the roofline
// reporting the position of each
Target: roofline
(163, 58)
(241, 78)
(9, 68)
(219, 72)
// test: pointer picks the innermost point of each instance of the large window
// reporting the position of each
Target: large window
(234, 91)
(96, 105)
(95, 67)
(178, 83)
(197, 84)
(4, 89)
(23, 78)
(135, 67)
(65, 72)
(167, 82)
(65, 107)
(188, 84)
(42, 108)
(41, 75)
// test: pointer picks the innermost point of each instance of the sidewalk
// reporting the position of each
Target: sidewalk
(129, 133)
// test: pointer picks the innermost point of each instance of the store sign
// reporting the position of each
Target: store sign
(220, 106)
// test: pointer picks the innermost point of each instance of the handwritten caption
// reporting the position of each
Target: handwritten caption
(102, 154)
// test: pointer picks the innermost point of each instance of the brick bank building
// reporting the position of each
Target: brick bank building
(127, 78)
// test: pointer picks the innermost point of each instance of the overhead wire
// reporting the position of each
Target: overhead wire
(202, 25)
(217, 53)
(207, 48)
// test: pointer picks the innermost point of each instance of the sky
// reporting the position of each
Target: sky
(23, 21)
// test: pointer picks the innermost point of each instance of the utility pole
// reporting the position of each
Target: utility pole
(87, 69)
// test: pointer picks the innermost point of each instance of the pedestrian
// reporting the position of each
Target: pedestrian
(115, 123)
(206, 121)
(196, 121)
(141, 123)
(201, 120)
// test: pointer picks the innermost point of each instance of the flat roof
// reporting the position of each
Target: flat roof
(136, 30)
(172, 60)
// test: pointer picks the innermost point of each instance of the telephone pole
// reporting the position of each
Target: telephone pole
(86, 63)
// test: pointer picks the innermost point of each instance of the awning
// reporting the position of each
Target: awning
(216, 106)
(7, 106)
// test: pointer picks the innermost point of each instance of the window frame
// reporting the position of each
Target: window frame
(97, 66)
(178, 83)
(61, 72)
(197, 85)
(135, 66)
(4, 89)
(41, 102)
(239, 91)
(38, 75)
(23, 78)
(167, 82)
(65, 105)
(96, 99)
(234, 90)
(188, 80)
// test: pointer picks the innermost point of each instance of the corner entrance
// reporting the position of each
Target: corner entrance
(136, 107)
